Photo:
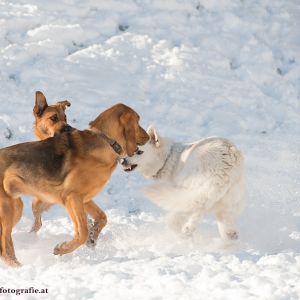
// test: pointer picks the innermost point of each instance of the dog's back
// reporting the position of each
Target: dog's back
(214, 157)
(204, 172)
(211, 166)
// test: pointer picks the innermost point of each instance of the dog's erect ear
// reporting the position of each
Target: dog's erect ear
(154, 137)
(40, 104)
(63, 104)
(128, 122)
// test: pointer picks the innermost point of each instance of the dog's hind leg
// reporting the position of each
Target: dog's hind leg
(228, 209)
(8, 218)
(38, 207)
(227, 225)
(18, 210)
(226, 215)
(99, 223)
(75, 208)
(191, 223)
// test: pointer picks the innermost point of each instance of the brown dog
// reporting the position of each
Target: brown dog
(68, 169)
(49, 120)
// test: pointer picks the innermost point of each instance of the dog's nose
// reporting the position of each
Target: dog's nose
(67, 128)
(123, 161)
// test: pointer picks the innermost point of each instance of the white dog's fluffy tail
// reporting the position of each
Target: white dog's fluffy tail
(170, 197)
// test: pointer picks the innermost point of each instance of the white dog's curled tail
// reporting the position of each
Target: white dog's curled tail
(170, 197)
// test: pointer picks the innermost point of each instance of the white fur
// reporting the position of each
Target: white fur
(193, 179)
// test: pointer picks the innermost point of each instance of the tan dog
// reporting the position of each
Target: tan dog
(68, 169)
(49, 120)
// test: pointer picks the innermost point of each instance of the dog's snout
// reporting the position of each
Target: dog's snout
(67, 128)
(127, 166)
(124, 162)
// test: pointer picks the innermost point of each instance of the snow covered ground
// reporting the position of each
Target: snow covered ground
(194, 69)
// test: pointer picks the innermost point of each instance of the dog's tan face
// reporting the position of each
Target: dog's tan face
(49, 119)
(121, 123)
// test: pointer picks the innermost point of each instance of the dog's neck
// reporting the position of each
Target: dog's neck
(113, 143)
(169, 161)
(95, 130)
(40, 132)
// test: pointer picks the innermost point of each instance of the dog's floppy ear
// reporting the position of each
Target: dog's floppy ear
(127, 121)
(63, 104)
(40, 104)
(154, 137)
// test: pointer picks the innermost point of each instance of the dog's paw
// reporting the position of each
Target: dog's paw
(15, 264)
(12, 262)
(91, 243)
(187, 229)
(232, 235)
(59, 249)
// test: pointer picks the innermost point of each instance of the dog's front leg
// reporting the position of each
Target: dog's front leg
(176, 220)
(75, 208)
(100, 221)
(190, 225)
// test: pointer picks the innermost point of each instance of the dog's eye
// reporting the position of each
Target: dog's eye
(54, 118)
(139, 152)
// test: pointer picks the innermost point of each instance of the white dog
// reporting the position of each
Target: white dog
(192, 179)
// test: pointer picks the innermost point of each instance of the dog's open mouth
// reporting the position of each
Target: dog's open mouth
(129, 168)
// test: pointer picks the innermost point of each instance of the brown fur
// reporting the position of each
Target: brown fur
(68, 169)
